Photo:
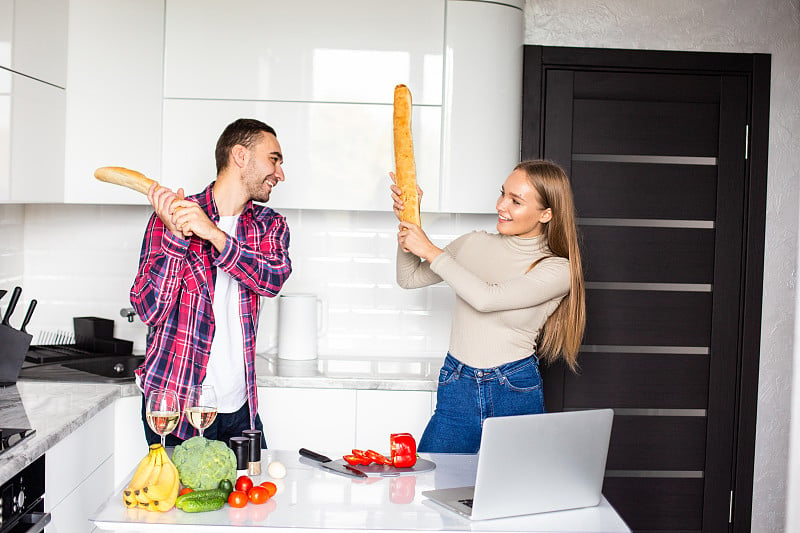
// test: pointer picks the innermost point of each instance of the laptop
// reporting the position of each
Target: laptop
(531, 464)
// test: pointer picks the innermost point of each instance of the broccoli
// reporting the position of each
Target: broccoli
(203, 463)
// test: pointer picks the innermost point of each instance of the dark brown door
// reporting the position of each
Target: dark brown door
(658, 161)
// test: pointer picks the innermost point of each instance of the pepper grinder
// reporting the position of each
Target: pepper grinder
(240, 447)
(254, 452)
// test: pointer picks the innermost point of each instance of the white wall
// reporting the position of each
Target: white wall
(11, 248)
(766, 26)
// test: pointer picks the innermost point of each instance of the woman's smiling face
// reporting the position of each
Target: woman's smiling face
(519, 209)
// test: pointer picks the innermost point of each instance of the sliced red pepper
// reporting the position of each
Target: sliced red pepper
(352, 459)
(378, 457)
(362, 455)
(404, 450)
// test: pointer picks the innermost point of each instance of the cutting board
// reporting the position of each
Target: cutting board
(373, 470)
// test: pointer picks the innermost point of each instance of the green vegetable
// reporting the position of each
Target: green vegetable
(200, 495)
(203, 463)
(227, 486)
(204, 505)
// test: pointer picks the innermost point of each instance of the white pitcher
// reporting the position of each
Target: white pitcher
(299, 326)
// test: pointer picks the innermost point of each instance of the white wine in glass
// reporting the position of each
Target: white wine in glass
(201, 407)
(163, 412)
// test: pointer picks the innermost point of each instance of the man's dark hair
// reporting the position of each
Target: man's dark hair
(244, 131)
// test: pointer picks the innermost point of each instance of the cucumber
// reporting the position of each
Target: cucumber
(211, 503)
(200, 495)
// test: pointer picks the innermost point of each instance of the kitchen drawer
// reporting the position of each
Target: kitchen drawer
(75, 458)
(72, 513)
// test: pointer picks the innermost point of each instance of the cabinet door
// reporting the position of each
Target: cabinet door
(320, 419)
(5, 132)
(337, 156)
(130, 444)
(36, 37)
(481, 132)
(381, 413)
(72, 514)
(77, 457)
(310, 50)
(115, 96)
(36, 141)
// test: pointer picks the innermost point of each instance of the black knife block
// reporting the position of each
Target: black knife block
(13, 347)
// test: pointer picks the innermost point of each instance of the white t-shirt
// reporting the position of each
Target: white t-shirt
(225, 370)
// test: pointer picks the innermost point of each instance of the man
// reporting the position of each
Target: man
(205, 262)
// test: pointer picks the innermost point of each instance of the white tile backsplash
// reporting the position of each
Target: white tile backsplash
(11, 247)
(80, 260)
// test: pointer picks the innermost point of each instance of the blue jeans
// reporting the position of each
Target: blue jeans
(225, 426)
(467, 396)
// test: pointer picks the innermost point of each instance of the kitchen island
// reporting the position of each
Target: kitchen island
(311, 499)
(73, 418)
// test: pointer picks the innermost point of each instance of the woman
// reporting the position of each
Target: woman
(519, 298)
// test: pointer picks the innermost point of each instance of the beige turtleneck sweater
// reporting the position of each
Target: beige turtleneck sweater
(499, 308)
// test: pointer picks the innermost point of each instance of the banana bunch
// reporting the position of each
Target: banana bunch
(155, 482)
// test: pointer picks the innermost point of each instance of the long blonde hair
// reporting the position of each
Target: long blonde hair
(562, 333)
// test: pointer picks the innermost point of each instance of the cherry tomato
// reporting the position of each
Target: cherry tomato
(377, 457)
(244, 484)
(271, 487)
(237, 498)
(258, 495)
(184, 491)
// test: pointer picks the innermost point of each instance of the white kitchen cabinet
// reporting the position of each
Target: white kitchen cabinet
(379, 413)
(130, 444)
(5, 132)
(114, 95)
(333, 421)
(6, 32)
(337, 156)
(322, 420)
(33, 39)
(32, 139)
(79, 473)
(304, 51)
(483, 103)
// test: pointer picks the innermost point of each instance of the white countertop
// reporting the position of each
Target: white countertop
(349, 373)
(310, 499)
(57, 408)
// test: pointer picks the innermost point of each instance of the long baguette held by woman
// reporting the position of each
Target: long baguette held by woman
(405, 169)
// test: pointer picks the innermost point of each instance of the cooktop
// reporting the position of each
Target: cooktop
(10, 437)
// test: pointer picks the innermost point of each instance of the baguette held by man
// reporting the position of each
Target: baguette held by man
(405, 170)
(125, 177)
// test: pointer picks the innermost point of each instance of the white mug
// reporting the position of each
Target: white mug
(299, 326)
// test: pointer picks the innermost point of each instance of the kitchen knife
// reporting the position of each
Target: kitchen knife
(28, 315)
(11, 305)
(326, 462)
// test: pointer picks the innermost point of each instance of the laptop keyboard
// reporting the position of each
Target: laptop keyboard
(467, 502)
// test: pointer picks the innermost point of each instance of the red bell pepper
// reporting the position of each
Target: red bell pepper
(404, 450)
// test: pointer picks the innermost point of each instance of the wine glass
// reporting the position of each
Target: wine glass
(201, 407)
(163, 412)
